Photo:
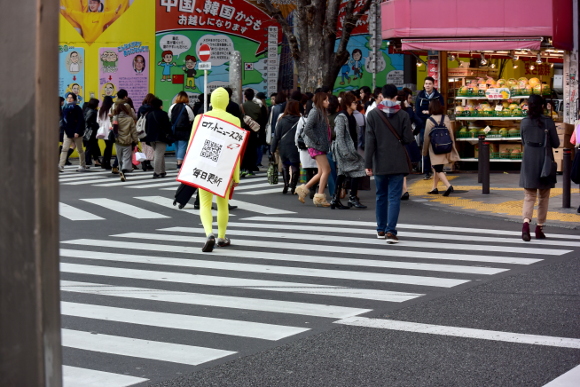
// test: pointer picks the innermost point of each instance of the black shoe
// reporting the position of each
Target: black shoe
(67, 163)
(209, 244)
(285, 190)
(354, 201)
(223, 242)
(434, 191)
(449, 190)
(156, 176)
(230, 207)
(405, 196)
(163, 174)
(335, 203)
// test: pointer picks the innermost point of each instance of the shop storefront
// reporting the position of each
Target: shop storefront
(488, 65)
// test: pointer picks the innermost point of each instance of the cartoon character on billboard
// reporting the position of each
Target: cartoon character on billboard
(73, 60)
(190, 71)
(166, 58)
(139, 64)
(345, 70)
(356, 63)
(109, 90)
(93, 19)
(77, 89)
(109, 61)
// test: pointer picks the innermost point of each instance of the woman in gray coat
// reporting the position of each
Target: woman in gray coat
(535, 130)
(317, 138)
(349, 163)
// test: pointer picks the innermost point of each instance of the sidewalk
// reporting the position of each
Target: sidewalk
(505, 199)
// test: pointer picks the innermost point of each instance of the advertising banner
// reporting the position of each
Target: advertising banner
(71, 71)
(213, 153)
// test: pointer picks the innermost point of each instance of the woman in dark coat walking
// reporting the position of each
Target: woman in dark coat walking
(284, 139)
(92, 151)
(349, 163)
(539, 137)
(158, 129)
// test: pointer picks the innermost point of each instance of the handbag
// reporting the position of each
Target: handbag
(87, 135)
(549, 167)
(300, 139)
(382, 115)
(148, 151)
(272, 173)
(103, 132)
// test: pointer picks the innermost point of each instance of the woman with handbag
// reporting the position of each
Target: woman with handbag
(92, 151)
(317, 136)
(538, 169)
(104, 121)
(284, 139)
(349, 163)
(438, 161)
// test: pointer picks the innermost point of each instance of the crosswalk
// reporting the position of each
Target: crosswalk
(153, 301)
(139, 180)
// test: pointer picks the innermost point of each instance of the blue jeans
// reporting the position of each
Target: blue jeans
(180, 148)
(332, 177)
(389, 191)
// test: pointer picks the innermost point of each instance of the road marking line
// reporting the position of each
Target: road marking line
(174, 184)
(74, 213)
(125, 208)
(181, 321)
(373, 225)
(85, 176)
(372, 240)
(471, 333)
(251, 186)
(276, 286)
(271, 269)
(264, 191)
(75, 376)
(381, 252)
(168, 203)
(569, 379)
(258, 208)
(234, 302)
(133, 180)
(144, 349)
(404, 234)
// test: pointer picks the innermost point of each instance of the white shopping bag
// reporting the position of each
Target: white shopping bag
(212, 155)
(140, 156)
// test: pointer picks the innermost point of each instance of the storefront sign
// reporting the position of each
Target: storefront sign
(212, 155)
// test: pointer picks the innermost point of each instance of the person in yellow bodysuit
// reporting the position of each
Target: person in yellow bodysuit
(219, 101)
(94, 17)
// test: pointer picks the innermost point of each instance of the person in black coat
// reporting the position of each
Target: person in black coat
(284, 139)
(73, 125)
(158, 129)
(92, 151)
(425, 96)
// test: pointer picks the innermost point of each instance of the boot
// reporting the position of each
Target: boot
(353, 201)
(302, 192)
(320, 200)
(526, 232)
(540, 232)
(286, 177)
(293, 182)
(335, 202)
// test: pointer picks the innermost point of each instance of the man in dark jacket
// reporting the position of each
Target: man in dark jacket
(386, 159)
(73, 125)
(425, 96)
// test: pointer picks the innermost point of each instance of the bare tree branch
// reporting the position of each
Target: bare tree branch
(286, 28)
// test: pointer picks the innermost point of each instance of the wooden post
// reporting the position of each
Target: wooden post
(30, 342)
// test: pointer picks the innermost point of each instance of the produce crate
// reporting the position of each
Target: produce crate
(517, 134)
(516, 156)
(494, 155)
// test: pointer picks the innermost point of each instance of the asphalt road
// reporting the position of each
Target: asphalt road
(306, 296)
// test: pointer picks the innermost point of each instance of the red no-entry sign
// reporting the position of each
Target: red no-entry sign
(204, 53)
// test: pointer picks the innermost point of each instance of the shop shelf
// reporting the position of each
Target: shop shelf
(489, 138)
(473, 159)
(489, 118)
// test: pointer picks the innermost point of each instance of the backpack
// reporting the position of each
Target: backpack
(180, 123)
(141, 126)
(440, 138)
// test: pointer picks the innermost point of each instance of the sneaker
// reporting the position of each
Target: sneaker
(223, 242)
(115, 170)
(381, 235)
(392, 238)
(427, 177)
(85, 169)
(209, 244)
(122, 176)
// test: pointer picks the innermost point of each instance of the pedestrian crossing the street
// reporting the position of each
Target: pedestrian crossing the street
(154, 301)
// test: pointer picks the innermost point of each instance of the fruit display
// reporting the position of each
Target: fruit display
(486, 109)
(518, 87)
(494, 132)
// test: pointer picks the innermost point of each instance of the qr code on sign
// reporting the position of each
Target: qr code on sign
(211, 150)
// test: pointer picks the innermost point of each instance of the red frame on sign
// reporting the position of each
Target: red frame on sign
(240, 157)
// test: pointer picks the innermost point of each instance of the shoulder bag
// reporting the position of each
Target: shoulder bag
(250, 122)
(382, 115)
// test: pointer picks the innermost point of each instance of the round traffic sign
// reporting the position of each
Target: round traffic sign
(204, 53)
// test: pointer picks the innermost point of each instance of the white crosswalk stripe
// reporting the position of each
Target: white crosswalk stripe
(265, 287)
(75, 376)
(124, 208)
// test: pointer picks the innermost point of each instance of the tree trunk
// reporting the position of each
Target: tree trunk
(313, 45)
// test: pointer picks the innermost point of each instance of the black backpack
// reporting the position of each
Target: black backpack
(440, 137)
(180, 122)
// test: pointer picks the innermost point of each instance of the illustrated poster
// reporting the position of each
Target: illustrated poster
(71, 75)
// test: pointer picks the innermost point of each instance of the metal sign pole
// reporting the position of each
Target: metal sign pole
(205, 91)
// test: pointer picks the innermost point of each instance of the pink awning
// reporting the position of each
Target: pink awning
(475, 44)
(409, 19)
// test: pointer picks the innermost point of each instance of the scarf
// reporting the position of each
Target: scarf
(389, 107)
(429, 96)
